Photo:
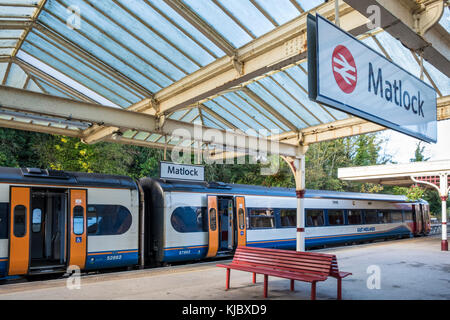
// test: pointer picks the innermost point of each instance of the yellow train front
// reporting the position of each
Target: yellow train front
(50, 220)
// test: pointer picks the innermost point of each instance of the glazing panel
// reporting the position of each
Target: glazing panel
(114, 35)
(288, 100)
(281, 11)
(218, 19)
(249, 16)
(309, 4)
(226, 115)
(176, 18)
(37, 53)
(252, 111)
(100, 53)
(238, 113)
(84, 68)
(276, 105)
(261, 110)
(149, 16)
(9, 33)
(16, 77)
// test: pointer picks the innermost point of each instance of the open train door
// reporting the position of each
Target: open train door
(241, 221)
(213, 243)
(77, 228)
(19, 231)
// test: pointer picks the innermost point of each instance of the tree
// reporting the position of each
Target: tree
(419, 153)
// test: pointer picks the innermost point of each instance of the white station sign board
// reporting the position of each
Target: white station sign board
(352, 77)
(176, 171)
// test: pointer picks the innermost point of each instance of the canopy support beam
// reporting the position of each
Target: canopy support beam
(297, 166)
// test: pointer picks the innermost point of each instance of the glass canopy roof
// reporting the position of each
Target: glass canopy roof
(119, 52)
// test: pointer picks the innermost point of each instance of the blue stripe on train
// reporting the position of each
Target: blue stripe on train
(185, 253)
(3, 266)
(111, 259)
(199, 252)
(98, 260)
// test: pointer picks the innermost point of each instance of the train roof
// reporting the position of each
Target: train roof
(64, 178)
(227, 188)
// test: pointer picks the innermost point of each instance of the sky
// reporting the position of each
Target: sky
(402, 147)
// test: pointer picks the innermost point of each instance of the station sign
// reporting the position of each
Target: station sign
(175, 171)
(346, 74)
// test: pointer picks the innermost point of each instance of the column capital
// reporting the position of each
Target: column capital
(444, 198)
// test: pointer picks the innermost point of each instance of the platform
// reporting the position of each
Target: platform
(409, 269)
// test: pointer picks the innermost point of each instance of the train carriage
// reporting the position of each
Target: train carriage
(196, 220)
(50, 220)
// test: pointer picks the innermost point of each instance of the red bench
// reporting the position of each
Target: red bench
(301, 266)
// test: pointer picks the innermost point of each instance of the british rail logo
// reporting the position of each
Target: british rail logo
(344, 69)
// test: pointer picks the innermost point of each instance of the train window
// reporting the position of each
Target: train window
(3, 221)
(261, 218)
(371, 216)
(384, 217)
(36, 220)
(408, 215)
(78, 220)
(335, 217)
(396, 216)
(241, 215)
(314, 218)
(108, 220)
(288, 217)
(92, 221)
(213, 219)
(20, 221)
(189, 219)
(354, 217)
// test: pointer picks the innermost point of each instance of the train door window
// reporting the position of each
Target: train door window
(396, 216)
(78, 220)
(408, 215)
(288, 217)
(36, 220)
(354, 217)
(335, 217)
(213, 219)
(20, 221)
(262, 218)
(241, 215)
(371, 216)
(314, 218)
(3, 221)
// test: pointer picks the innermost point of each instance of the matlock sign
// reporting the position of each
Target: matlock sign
(346, 74)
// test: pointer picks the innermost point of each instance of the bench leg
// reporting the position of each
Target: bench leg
(292, 285)
(339, 288)
(313, 290)
(227, 284)
(266, 278)
(254, 277)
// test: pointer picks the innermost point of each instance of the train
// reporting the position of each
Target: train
(51, 220)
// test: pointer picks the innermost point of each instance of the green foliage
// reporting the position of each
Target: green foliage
(419, 153)
(414, 193)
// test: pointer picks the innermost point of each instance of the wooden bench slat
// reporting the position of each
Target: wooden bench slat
(297, 257)
(288, 266)
(299, 262)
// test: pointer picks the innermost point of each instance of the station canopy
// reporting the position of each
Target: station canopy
(224, 64)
